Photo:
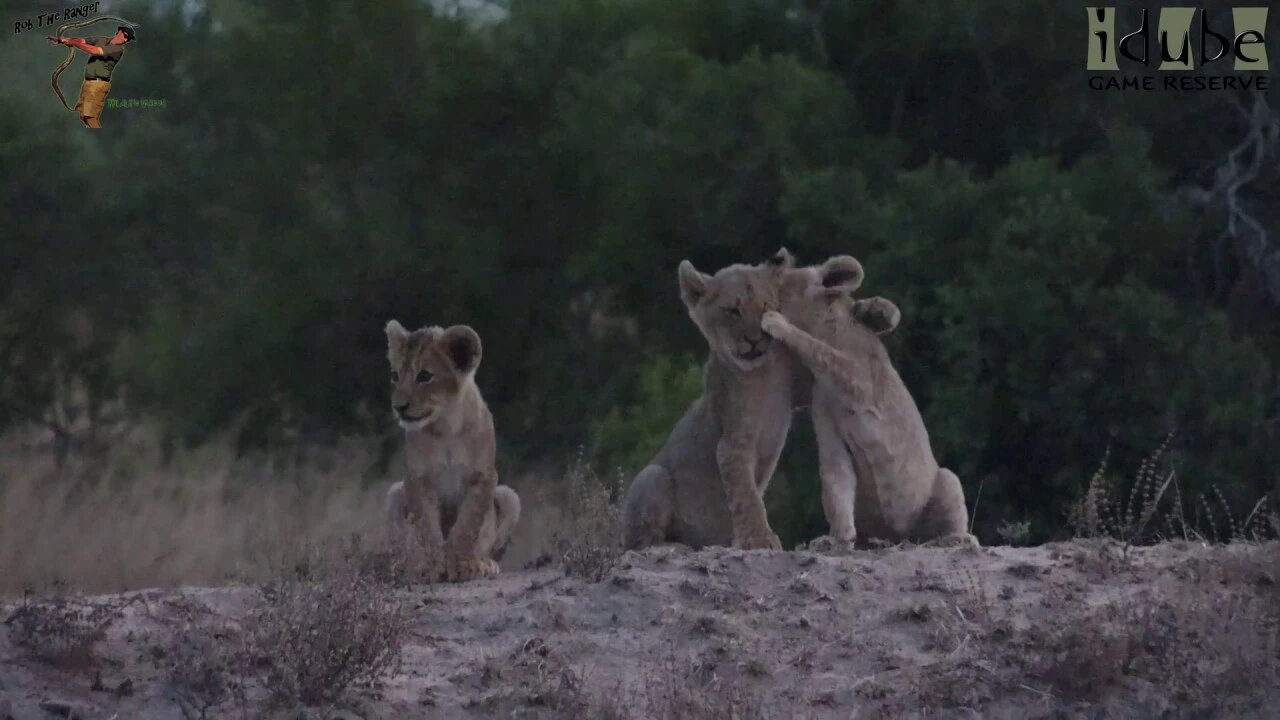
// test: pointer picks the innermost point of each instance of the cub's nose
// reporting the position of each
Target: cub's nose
(400, 408)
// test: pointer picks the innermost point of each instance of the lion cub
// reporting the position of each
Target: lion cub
(450, 492)
(879, 475)
(706, 485)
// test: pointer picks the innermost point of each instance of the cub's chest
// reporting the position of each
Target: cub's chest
(444, 468)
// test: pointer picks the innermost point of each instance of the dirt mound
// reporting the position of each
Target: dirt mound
(1089, 629)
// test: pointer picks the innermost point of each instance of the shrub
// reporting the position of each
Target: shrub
(205, 663)
(1014, 533)
(310, 642)
(1153, 509)
(627, 438)
(589, 539)
(60, 628)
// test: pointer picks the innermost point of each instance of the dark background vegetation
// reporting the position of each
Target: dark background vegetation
(1077, 269)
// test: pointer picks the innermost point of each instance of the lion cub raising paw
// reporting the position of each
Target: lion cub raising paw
(450, 493)
(880, 479)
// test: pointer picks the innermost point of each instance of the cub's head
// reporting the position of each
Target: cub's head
(727, 308)
(835, 279)
(430, 367)
(807, 292)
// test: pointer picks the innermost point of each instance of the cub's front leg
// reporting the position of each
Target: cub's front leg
(423, 511)
(736, 461)
(827, 363)
(462, 560)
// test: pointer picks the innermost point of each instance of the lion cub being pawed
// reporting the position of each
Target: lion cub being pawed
(450, 491)
(706, 484)
(874, 456)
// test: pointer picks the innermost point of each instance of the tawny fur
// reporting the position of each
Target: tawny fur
(450, 495)
(879, 476)
(706, 485)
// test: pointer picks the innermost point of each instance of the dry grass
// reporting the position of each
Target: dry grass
(204, 660)
(1203, 649)
(61, 628)
(1200, 643)
(301, 642)
(1153, 509)
(312, 641)
(587, 541)
(1107, 511)
(679, 688)
(128, 520)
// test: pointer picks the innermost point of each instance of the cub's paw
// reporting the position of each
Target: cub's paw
(877, 313)
(957, 540)
(464, 568)
(830, 545)
(766, 540)
(773, 322)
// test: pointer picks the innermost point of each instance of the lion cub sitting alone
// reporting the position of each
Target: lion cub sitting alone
(450, 492)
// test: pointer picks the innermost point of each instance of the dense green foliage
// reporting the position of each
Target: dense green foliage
(230, 260)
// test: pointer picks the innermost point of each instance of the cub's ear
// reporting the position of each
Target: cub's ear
(397, 338)
(837, 277)
(782, 260)
(880, 315)
(461, 347)
(694, 286)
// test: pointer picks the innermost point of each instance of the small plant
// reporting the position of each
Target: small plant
(1105, 511)
(204, 662)
(1014, 533)
(61, 628)
(1138, 518)
(1220, 524)
(588, 543)
(311, 641)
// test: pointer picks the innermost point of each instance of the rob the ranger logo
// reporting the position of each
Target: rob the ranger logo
(1180, 42)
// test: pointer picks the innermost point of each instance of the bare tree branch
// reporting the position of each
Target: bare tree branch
(1242, 232)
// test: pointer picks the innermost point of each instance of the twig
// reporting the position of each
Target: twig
(974, 515)
(1257, 506)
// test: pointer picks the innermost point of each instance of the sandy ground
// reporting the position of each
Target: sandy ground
(898, 632)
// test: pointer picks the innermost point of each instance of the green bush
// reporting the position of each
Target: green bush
(628, 438)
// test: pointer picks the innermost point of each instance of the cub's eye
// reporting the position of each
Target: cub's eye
(395, 377)
(424, 377)
(732, 312)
